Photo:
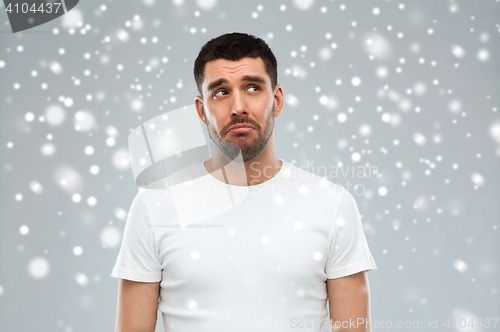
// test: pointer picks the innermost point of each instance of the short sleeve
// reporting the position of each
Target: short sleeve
(138, 259)
(349, 252)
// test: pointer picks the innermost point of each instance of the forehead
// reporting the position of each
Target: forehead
(223, 68)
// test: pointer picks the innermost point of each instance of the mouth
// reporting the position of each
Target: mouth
(241, 129)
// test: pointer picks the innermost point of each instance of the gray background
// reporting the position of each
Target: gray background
(434, 234)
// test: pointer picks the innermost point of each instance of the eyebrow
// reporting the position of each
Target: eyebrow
(257, 79)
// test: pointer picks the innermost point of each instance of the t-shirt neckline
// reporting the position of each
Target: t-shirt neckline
(268, 182)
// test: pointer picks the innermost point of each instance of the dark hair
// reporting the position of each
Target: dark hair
(235, 46)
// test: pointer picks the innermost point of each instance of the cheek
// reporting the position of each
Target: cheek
(265, 104)
(261, 111)
(213, 122)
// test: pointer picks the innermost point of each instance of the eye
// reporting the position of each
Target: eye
(254, 87)
(215, 94)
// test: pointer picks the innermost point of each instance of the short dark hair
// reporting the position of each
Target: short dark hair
(235, 46)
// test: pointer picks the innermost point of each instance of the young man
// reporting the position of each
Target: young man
(290, 241)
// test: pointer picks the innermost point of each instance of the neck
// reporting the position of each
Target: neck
(244, 173)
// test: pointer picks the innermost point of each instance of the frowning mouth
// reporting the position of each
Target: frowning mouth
(240, 129)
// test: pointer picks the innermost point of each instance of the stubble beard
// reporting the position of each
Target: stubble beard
(248, 150)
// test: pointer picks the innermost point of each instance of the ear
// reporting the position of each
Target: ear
(198, 104)
(278, 100)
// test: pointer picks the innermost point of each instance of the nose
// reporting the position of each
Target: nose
(238, 104)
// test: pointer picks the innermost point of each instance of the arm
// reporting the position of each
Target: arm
(137, 306)
(349, 298)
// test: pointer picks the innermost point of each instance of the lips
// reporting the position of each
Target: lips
(240, 128)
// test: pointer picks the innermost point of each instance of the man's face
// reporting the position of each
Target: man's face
(239, 92)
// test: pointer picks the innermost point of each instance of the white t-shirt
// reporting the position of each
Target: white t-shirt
(243, 258)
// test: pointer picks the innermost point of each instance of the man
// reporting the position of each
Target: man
(290, 241)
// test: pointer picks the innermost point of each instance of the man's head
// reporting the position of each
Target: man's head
(235, 46)
(236, 75)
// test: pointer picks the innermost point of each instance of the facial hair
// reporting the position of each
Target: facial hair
(248, 150)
